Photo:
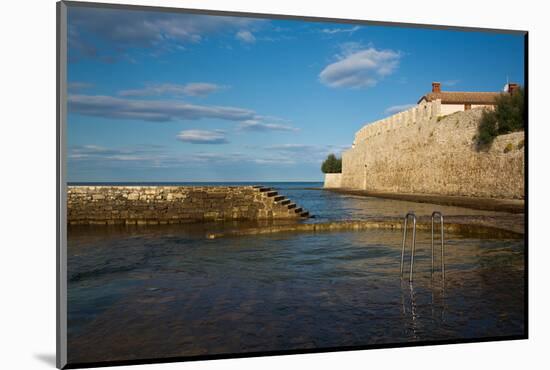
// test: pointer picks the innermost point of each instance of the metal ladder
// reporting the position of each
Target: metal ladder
(413, 246)
(434, 215)
(407, 216)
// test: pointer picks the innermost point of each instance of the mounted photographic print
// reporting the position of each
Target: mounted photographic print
(235, 184)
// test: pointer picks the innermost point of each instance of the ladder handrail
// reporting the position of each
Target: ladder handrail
(434, 215)
(413, 216)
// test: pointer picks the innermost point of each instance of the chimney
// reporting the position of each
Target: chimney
(512, 88)
(436, 87)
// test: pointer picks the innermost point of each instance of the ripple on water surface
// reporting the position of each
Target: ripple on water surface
(166, 291)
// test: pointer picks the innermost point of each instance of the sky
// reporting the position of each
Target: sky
(156, 96)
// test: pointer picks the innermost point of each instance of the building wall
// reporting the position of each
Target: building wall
(171, 204)
(447, 109)
(333, 180)
(423, 155)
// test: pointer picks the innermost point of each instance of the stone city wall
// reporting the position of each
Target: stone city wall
(175, 204)
(422, 153)
(333, 180)
(421, 112)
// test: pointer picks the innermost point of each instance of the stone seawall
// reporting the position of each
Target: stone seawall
(333, 180)
(176, 204)
(435, 155)
(421, 112)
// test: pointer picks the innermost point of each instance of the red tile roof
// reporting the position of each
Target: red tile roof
(462, 97)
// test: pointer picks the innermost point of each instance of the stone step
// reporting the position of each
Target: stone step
(291, 205)
(284, 202)
(271, 193)
(278, 198)
(298, 210)
(304, 214)
(257, 186)
(263, 190)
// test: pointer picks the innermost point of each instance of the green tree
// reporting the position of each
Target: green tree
(508, 116)
(509, 111)
(332, 164)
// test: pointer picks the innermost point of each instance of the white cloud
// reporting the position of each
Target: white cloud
(87, 153)
(201, 88)
(258, 125)
(278, 160)
(294, 148)
(360, 68)
(146, 157)
(191, 89)
(245, 36)
(79, 85)
(450, 82)
(202, 137)
(143, 30)
(310, 150)
(212, 158)
(152, 110)
(398, 108)
(350, 47)
(156, 89)
(332, 31)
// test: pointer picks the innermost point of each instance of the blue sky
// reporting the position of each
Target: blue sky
(179, 97)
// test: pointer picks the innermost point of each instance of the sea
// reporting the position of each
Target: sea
(164, 291)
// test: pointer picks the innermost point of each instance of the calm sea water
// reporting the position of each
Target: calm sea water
(164, 291)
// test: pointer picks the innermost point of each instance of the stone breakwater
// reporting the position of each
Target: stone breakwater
(482, 226)
(176, 204)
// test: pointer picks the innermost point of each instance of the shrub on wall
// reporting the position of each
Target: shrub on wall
(505, 118)
(487, 129)
(332, 164)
